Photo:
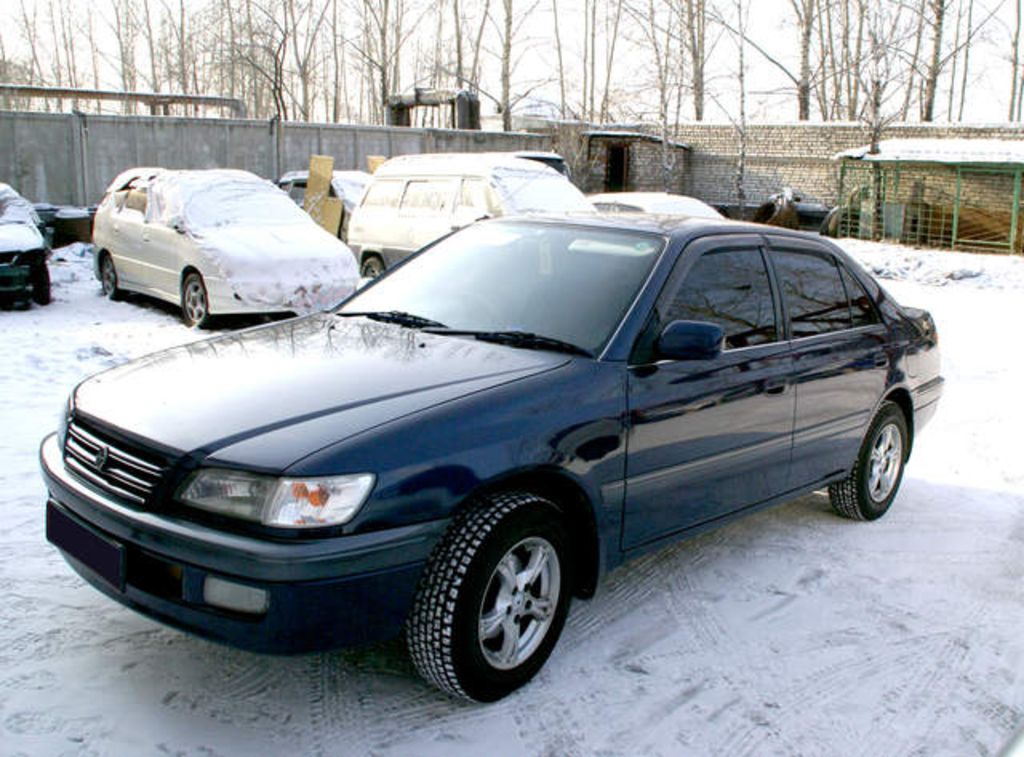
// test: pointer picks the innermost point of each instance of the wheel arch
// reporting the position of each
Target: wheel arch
(900, 397)
(572, 499)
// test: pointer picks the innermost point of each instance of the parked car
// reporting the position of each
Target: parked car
(414, 200)
(347, 186)
(24, 276)
(550, 159)
(652, 202)
(475, 438)
(216, 242)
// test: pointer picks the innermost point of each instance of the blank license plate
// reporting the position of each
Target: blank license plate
(101, 555)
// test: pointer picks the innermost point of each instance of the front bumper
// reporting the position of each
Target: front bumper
(322, 593)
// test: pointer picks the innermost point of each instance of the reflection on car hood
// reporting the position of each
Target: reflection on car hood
(309, 381)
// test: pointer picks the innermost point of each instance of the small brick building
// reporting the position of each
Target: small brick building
(632, 161)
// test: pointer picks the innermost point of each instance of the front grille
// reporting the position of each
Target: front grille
(109, 466)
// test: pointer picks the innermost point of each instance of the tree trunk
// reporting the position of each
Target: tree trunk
(938, 9)
(506, 68)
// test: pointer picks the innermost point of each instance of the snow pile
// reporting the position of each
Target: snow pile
(270, 252)
(937, 267)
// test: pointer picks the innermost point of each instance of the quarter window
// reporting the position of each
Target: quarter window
(814, 293)
(861, 309)
(729, 288)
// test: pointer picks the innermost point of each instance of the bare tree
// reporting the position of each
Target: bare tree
(804, 11)
(937, 16)
(1015, 72)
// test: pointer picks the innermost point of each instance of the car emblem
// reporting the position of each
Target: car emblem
(99, 460)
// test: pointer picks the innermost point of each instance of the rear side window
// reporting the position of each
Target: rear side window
(861, 309)
(426, 197)
(814, 293)
(383, 194)
(729, 288)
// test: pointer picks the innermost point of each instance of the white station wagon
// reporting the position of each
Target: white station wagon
(216, 242)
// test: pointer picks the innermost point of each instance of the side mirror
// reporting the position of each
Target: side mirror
(690, 340)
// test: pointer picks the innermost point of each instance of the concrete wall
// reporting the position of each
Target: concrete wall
(68, 159)
(794, 155)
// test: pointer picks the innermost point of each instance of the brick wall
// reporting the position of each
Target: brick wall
(794, 155)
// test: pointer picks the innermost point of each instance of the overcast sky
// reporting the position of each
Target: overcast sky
(771, 27)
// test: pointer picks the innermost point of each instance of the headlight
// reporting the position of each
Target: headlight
(284, 502)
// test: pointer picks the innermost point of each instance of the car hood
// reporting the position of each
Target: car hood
(303, 383)
(297, 267)
(19, 237)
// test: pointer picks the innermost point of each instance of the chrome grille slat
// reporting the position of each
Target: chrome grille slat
(81, 433)
(121, 473)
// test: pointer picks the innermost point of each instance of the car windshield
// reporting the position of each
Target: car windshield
(566, 282)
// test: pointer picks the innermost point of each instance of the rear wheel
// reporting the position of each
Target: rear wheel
(108, 277)
(493, 598)
(195, 303)
(868, 492)
(372, 267)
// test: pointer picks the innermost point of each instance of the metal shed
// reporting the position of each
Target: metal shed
(962, 194)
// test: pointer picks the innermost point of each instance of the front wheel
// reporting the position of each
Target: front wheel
(869, 490)
(108, 277)
(40, 278)
(493, 598)
(195, 303)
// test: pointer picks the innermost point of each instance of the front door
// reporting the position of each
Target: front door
(709, 437)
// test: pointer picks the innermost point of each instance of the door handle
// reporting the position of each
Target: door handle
(777, 386)
(881, 360)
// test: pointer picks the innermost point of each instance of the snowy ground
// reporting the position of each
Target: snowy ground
(789, 632)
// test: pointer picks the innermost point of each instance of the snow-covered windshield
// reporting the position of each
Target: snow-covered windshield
(206, 200)
(547, 191)
(16, 209)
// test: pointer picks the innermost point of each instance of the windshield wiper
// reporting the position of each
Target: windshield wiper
(523, 339)
(409, 320)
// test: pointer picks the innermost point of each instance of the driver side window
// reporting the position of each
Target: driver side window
(731, 289)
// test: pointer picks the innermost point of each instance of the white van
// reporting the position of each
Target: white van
(415, 199)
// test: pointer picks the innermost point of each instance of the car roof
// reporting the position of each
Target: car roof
(460, 164)
(681, 229)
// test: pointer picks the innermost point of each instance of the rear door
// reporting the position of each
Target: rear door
(840, 359)
(708, 437)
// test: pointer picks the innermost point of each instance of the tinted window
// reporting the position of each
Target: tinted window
(729, 288)
(383, 194)
(813, 292)
(861, 309)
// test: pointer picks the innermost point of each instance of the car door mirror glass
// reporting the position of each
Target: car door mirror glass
(690, 340)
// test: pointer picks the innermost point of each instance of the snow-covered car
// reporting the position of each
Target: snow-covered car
(663, 203)
(414, 200)
(23, 252)
(347, 186)
(216, 242)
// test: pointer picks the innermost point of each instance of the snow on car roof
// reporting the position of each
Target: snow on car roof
(941, 151)
(459, 164)
(207, 199)
(18, 222)
(658, 202)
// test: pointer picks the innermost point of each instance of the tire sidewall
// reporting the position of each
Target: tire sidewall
(371, 262)
(107, 263)
(889, 414)
(478, 678)
(201, 322)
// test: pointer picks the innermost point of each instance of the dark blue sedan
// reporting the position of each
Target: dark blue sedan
(479, 435)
